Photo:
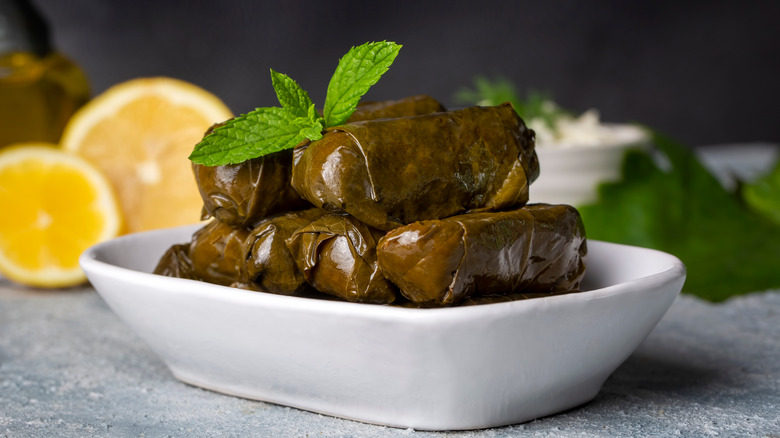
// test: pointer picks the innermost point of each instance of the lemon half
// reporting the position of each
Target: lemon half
(140, 133)
(54, 206)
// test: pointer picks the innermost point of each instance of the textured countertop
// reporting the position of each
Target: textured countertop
(70, 368)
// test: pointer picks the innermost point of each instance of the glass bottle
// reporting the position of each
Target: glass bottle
(39, 88)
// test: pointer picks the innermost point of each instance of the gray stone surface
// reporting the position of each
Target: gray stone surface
(70, 368)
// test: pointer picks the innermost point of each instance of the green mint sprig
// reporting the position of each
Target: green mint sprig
(357, 71)
(292, 97)
(273, 129)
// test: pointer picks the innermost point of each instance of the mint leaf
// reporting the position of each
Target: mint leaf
(314, 125)
(292, 97)
(727, 249)
(312, 114)
(357, 71)
(260, 132)
(268, 130)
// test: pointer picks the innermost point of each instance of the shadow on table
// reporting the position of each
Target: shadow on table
(663, 377)
(650, 371)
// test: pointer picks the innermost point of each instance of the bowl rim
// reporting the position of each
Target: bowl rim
(92, 265)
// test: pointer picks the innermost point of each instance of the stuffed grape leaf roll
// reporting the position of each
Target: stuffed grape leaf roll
(268, 262)
(391, 172)
(245, 193)
(176, 262)
(337, 255)
(408, 106)
(536, 249)
(217, 253)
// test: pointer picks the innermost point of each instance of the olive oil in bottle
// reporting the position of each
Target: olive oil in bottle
(39, 88)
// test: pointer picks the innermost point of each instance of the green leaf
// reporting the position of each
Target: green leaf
(684, 210)
(292, 97)
(357, 71)
(260, 132)
(763, 195)
(314, 125)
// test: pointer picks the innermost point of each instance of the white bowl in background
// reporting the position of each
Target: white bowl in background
(571, 173)
(434, 369)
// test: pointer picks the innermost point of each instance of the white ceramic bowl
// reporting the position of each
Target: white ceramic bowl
(438, 369)
(570, 174)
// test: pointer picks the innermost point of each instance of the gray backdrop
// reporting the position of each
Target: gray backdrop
(704, 72)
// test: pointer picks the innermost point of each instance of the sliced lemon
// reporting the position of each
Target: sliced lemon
(140, 134)
(54, 206)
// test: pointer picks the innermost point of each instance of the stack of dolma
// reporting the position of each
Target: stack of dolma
(405, 204)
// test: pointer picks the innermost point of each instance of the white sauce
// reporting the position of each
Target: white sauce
(583, 131)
